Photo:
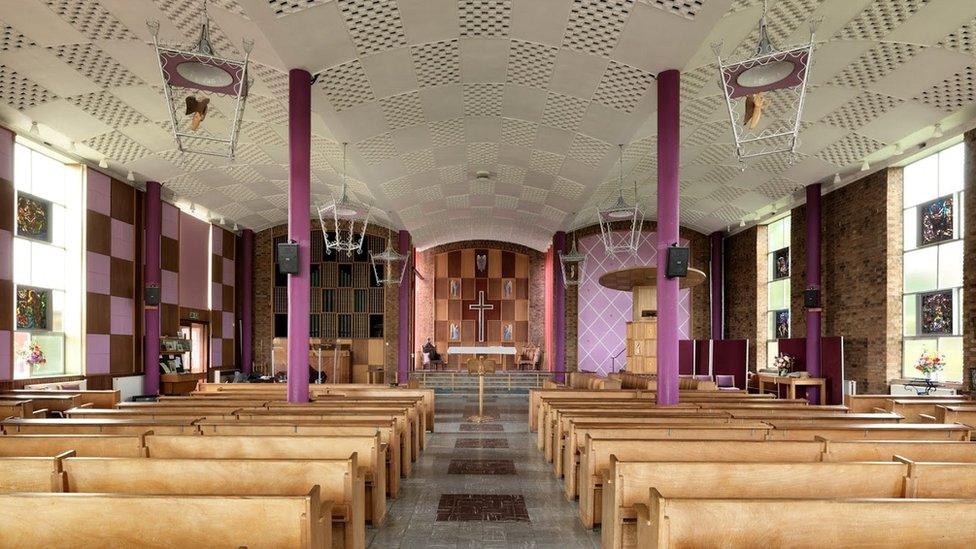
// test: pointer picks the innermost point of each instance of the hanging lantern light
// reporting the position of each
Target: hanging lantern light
(573, 265)
(388, 265)
(192, 74)
(343, 220)
(617, 215)
(771, 82)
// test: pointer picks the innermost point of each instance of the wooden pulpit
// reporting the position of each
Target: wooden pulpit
(481, 366)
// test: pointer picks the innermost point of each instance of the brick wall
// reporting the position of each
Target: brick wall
(861, 270)
(745, 290)
(969, 262)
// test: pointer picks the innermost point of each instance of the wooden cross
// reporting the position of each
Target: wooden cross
(481, 307)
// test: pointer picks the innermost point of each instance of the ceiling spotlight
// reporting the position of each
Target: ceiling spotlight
(937, 132)
(193, 209)
(742, 222)
(103, 163)
(836, 179)
(72, 147)
(130, 176)
(236, 227)
(898, 149)
(34, 130)
(865, 166)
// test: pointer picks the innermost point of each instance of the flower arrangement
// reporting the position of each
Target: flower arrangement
(930, 363)
(32, 354)
(784, 363)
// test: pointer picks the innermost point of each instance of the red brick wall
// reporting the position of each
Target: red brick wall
(745, 290)
(969, 261)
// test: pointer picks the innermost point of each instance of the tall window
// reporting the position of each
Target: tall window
(933, 261)
(778, 286)
(47, 265)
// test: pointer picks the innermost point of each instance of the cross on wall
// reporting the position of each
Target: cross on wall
(481, 307)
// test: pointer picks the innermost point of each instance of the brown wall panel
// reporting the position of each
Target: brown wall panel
(7, 304)
(122, 283)
(99, 233)
(123, 202)
(169, 254)
(98, 314)
(121, 354)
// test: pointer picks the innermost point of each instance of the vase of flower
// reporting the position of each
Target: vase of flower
(32, 355)
(931, 365)
(784, 363)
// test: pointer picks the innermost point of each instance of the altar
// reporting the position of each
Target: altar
(474, 351)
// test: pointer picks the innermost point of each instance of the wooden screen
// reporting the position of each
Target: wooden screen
(467, 279)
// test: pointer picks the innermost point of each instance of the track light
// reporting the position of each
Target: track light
(898, 149)
(865, 166)
(742, 222)
(34, 130)
(72, 147)
(130, 176)
(103, 163)
(836, 179)
(937, 132)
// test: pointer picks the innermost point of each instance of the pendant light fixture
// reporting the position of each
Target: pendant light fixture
(388, 265)
(772, 79)
(621, 215)
(573, 265)
(191, 75)
(343, 220)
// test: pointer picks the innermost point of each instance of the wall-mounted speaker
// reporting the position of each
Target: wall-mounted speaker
(677, 262)
(811, 298)
(151, 296)
(288, 258)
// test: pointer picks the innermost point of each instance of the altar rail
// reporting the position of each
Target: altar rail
(463, 382)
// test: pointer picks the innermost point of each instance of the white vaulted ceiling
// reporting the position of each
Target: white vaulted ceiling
(536, 92)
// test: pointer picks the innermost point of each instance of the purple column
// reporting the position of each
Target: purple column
(405, 324)
(299, 228)
(558, 310)
(813, 282)
(716, 282)
(153, 278)
(668, 103)
(247, 300)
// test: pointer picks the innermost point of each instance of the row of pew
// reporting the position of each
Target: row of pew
(732, 469)
(231, 465)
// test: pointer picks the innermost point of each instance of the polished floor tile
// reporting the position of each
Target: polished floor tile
(421, 517)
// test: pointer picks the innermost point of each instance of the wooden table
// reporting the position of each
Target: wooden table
(791, 384)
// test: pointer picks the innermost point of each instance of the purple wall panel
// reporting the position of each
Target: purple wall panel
(831, 363)
(194, 262)
(99, 192)
(603, 313)
(686, 357)
(97, 351)
(730, 357)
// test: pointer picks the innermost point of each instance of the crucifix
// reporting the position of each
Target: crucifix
(481, 307)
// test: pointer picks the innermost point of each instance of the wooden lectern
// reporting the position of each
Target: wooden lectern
(480, 366)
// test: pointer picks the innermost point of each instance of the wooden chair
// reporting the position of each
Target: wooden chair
(528, 359)
(429, 364)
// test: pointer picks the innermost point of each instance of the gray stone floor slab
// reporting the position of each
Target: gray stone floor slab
(554, 522)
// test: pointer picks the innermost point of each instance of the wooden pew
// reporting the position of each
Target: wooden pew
(803, 430)
(339, 481)
(107, 398)
(16, 408)
(369, 449)
(734, 523)
(98, 426)
(31, 474)
(388, 437)
(81, 445)
(956, 413)
(69, 521)
(51, 402)
(869, 403)
(912, 409)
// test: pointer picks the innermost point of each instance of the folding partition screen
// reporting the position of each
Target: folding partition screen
(831, 362)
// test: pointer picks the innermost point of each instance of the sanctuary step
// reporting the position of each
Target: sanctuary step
(465, 383)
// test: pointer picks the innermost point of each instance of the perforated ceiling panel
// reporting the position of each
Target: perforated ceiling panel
(538, 96)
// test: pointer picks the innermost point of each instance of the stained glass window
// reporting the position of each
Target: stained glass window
(32, 308)
(933, 260)
(935, 221)
(33, 217)
(778, 236)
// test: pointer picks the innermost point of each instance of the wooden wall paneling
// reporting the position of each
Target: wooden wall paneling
(169, 254)
(122, 283)
(98, 235)
(376, 352)
(469, 288)
(454, 309)
(494, 263)
(469, 330)
(169, 319)
(7, 302)
(440, 308)
(120, 354)
(454, 264)
(521, 309)
(98, 313)
(508, 265)
(467, 264)
(521, 288)
(123, 202)
(521, 266)
(440, 266)
(494, 289)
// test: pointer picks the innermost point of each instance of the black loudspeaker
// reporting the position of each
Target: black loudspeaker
(677, 262)
(288, 258)
(811, 298)
(151, 296)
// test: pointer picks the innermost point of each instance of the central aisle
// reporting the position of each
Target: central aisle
(469, 486)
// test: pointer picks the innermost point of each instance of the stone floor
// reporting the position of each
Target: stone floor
(463, 492)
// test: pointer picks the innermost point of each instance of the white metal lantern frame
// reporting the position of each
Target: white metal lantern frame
(391, 263)
(346, 219)
(230, 79)
(573, 266)
(778, 131)
(619, 211)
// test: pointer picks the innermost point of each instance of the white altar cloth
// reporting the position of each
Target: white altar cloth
(486, 350)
